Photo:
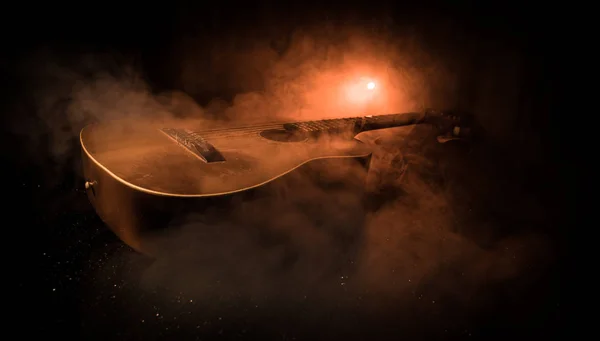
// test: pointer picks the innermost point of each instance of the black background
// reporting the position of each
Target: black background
(57, 247)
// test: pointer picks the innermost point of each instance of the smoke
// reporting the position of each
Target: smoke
(311, 252)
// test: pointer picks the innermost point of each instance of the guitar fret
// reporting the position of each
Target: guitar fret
(305, 127)
(321, 125)
(300, 126)
(325, 125)
(313, 126)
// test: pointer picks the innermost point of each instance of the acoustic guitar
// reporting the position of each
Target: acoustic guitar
(141, 177)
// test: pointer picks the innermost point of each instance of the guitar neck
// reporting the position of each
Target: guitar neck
(390, 121)
(357, 124)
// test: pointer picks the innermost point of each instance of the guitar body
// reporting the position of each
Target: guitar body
(143, 178)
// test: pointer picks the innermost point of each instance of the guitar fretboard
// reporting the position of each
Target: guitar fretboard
(355, 124)
(331, 125)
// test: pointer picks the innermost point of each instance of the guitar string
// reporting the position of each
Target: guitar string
(259, 127)
(276, 124)
(225, 133)
(243, 130)
(246, 130)
(243, 127)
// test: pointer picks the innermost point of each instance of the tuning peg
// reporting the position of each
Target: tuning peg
(89, 184)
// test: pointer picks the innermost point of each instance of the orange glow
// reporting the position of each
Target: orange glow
(361, 93)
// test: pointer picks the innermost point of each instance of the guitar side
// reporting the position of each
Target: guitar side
(139, 180)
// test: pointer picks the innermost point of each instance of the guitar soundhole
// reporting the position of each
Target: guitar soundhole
(281, 135)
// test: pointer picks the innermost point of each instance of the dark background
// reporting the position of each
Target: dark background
(59, 250)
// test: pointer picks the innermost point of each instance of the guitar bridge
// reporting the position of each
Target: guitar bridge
(195, 144)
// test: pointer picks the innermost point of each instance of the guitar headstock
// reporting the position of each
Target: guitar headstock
(453, 125)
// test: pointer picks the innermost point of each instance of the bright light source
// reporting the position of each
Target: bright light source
(370, 85)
